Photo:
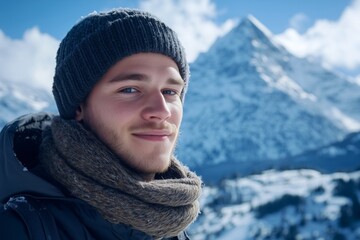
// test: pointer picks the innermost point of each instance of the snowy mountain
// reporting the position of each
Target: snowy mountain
(19, 99)
(339, 156)
(251, 100)
(294, 204)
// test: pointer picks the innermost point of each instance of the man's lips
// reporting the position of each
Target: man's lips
(153, 135)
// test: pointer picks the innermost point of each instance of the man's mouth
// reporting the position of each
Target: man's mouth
(153, 135)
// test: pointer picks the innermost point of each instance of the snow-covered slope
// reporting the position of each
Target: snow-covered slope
(249, 99)
(18, 99)
(339, 156)
(294, 204)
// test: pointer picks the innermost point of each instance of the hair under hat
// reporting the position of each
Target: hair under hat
(100, 40)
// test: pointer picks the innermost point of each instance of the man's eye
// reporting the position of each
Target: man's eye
(129, 90)
(169, 92)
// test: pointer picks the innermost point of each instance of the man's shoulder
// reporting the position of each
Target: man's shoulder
(21, 216)
(11, 225)
(27, 218)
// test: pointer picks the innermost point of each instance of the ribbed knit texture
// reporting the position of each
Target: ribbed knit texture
(75, 158)
(100, 40)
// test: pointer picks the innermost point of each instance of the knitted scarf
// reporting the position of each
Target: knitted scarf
(80, 162)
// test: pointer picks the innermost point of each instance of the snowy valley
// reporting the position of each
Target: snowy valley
(293, 204)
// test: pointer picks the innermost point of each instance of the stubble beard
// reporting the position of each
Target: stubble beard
(116, 145)
(139, 164)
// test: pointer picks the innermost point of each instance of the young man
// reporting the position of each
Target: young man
(104, 168)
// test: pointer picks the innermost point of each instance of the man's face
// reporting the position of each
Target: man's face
(136, 110)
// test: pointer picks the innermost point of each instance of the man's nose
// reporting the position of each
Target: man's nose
(156, 108)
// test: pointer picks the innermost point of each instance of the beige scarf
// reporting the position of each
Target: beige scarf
(164, 207)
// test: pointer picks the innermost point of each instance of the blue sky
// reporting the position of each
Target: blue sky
(30, 31)
(56, 17)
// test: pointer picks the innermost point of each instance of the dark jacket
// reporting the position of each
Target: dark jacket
(21, 176)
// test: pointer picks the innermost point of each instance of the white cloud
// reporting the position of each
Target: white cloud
(335, 43)
(299, 21)
(30, 59)
(192, 20)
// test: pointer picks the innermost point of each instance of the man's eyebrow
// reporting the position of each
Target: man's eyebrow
(143, 77)
(129, 76)
(176, 81)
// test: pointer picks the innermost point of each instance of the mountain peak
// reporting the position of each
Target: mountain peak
(250, 34)
(251, 28)
(243, 42)
(251, 22)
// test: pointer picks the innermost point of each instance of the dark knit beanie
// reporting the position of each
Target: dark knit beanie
(100, 40)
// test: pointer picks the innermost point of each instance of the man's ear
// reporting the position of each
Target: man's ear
(79, 116)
